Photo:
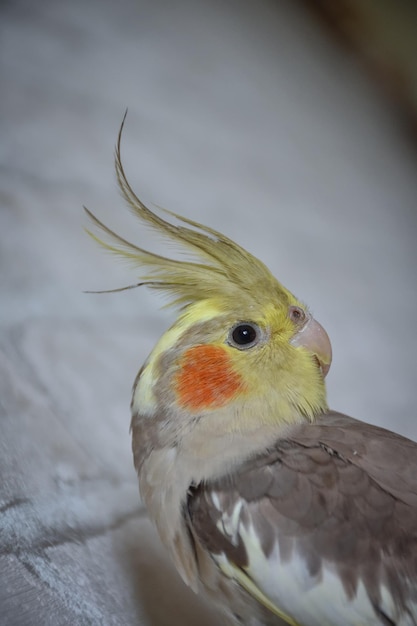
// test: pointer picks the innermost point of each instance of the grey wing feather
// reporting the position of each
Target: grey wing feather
(338, 491)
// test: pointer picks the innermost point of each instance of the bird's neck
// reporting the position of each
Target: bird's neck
(203, 453)
(166, 474)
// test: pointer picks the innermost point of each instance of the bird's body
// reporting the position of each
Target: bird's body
(321, 522)
(324, 523)
(279, 509)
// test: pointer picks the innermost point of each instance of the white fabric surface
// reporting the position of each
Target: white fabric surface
(244, 116)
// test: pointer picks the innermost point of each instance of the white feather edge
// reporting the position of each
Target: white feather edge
(291, 593)
(232, 571)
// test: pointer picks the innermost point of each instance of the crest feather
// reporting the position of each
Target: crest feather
(225, 271)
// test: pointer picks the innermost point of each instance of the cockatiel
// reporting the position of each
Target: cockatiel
(282, 511)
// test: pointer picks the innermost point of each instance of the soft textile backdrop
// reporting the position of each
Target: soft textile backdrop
(242, 115)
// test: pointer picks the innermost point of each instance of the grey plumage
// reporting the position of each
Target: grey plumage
(338, 491)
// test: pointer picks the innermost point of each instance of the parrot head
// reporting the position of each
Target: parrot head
(244, 353)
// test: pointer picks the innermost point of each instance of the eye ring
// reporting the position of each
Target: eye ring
(244, 335)
(297, 315)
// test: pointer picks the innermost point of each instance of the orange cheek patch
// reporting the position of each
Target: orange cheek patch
(206, 379)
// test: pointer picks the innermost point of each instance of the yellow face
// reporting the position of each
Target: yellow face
(221, 357)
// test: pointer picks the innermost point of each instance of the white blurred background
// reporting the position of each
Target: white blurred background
(249, 116)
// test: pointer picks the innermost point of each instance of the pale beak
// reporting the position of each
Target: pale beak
(314, 338)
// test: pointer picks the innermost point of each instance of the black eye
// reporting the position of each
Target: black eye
(244, 335)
